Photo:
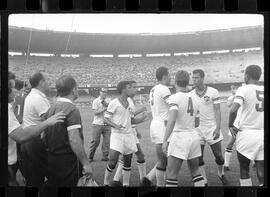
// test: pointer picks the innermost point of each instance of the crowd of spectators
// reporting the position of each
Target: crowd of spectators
(219, 68)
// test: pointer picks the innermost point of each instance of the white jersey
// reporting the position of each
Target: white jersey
(120, 115)
(187, 110)
(251, 99)
(206, 103)
(159, 95)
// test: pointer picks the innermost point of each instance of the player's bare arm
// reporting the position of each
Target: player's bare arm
(76, 144)
(169, 129)
(111, 124)
(216, 133)
(98, 112)
(232, 116)
(197, 122)
(139, 120)
(139, 110)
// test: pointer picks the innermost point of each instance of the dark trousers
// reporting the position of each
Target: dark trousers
(20, 159)
(97, 131)
(64, 170)
(35, 162)
(12, 170)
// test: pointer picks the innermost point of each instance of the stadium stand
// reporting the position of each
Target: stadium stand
(220, 68)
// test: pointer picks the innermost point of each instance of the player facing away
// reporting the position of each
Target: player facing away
(139, 154)
(184, 140)
(250, 135)
(228, 149)
(159, 95)
(209, 122)
(119, 116)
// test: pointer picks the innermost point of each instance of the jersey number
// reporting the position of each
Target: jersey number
(152, 97)
(190, 109)
(260, 106)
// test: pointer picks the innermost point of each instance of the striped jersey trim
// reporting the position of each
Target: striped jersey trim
(239, 97)
(110, 113)
(165, 97)
(76, 126)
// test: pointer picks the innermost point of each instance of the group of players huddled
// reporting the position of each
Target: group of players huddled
(181, 125)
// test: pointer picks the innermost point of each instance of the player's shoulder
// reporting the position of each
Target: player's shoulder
(212, 90)
(161, 87)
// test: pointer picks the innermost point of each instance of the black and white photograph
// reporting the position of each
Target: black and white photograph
(136, 100)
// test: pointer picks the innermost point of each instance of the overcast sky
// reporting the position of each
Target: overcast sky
(134, 23)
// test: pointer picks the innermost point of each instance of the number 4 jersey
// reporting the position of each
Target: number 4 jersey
(251, 99)
(187, 110)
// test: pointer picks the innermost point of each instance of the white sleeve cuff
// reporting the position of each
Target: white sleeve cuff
(76, 126)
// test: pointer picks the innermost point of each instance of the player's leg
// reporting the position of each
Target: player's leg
(216, 149)
(161, 166)
(197, 178)
(173, 168)
(152, 174)
(140, 162)
(119, 171)
(260, 171)
(228, 153)
(127, 169)
(95, 139)
(201, 165)
(245, 179)
(113, 159)
(106, 133)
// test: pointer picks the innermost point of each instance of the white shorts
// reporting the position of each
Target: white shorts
(157, 131)
(206, 135)
(250, 143)
(123, 143)
(185, 145)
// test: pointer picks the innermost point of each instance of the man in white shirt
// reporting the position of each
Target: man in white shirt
(250, 134)
(209, 122)
(184, 140)
(120, 116)
(139, 154)
(99, 107)
(159, 95)
(34, 152)
(17, 134)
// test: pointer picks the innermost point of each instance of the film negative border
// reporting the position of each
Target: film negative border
(134, 5)
(116, 6)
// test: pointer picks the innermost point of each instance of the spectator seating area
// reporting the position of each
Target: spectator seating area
(219, 68)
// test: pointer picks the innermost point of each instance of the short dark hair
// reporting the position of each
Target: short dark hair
(160, 72)
(19, 84)
(132, 82)
(122, 85)
(64, 85)
(11, 76)
(35, 79)
(254, 72)
(199, 71)
(182, 78)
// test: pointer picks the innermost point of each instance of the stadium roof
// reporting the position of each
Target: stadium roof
(43, 41)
